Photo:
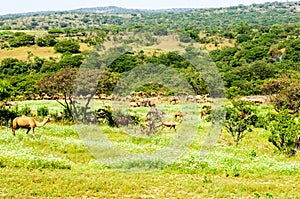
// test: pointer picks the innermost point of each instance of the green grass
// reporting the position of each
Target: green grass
(53, 106)
(96, 183)
(56, 163)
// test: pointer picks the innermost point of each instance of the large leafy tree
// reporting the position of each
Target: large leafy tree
(69, 60)
(285, 91)
(13, 66)
(107, 82)
(47, 40)
(72, 84)
(292, 50)
(60, 83)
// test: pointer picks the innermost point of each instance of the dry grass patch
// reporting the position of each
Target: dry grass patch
(21, 53)
(85, 47)
(31, 32)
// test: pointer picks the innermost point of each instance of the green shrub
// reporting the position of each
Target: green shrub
(48, 40)
(34, 162)
(67, 46)
(6, 116)
(22, 40)
(140, 163)
(284, 132)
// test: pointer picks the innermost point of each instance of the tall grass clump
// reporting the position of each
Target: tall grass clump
(43, 111)
(139, 163)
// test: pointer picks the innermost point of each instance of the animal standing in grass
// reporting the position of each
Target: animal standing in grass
(178, 114)
(27, 122)
(171, 124)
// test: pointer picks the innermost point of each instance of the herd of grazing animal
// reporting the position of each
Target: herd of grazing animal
(30, 123)
(154, 116)
(170, 123)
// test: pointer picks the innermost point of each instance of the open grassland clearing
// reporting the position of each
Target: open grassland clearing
(33, 32)
(56, 163)
(22, 53)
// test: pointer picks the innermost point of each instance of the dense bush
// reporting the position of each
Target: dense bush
(4, 90)
(67, 46)
(55, 31)
(47, 40)
(22, 40)
(285, 133)
(69, 60)
(6, 116)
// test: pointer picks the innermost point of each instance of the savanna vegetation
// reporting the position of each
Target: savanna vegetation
(76, 67)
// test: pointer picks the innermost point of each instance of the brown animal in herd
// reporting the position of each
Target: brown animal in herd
(170, 123)
(134, 104)
(178, 114)
(27, 122)
(174, 100)
(204, 111)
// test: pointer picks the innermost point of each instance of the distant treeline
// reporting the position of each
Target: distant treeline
(203, 19)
